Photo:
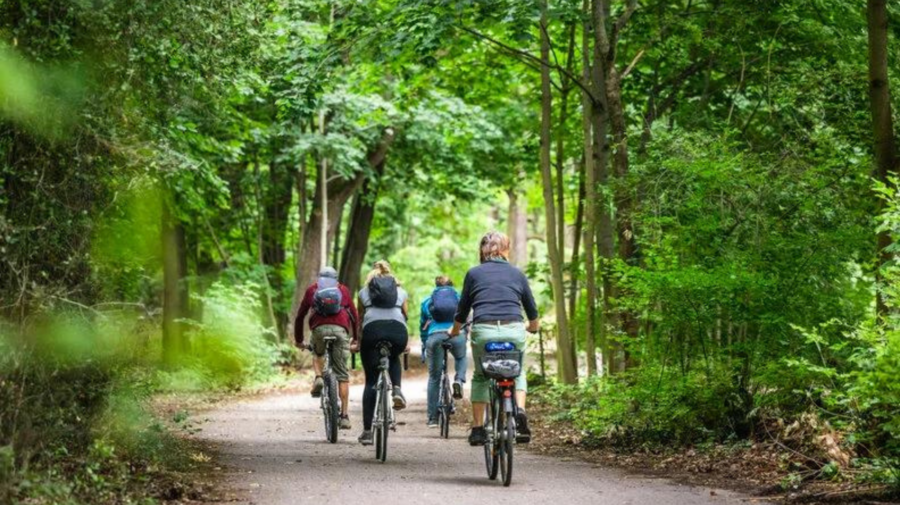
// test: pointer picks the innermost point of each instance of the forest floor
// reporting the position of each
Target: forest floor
(757, 469)
(270, 450)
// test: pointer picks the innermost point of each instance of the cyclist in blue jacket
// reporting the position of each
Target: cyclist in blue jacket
(435, 320)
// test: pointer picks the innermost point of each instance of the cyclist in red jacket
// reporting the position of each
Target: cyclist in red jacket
(331, 313)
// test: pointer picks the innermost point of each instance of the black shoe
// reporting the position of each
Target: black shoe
(399, 399)
(457, 390)
(318, 386)
(523, 433)
(478, 436)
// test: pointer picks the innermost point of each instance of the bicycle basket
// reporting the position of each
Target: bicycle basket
(502, 364)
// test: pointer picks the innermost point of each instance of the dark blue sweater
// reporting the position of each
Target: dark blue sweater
(496, 291)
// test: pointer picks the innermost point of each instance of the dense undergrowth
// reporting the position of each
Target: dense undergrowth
(840, 413)
(76, 424)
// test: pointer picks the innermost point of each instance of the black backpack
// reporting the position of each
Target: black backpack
(443, 305)
(328, 299)
(383, 292)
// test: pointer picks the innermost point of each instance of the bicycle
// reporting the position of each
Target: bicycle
(384, 415)
(445, 407)
(329, 402)
(501, 363)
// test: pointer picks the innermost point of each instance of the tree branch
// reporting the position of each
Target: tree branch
(622, 21)
(531, 58)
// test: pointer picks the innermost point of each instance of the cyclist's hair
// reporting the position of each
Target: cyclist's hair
(442, 280)
(381, 268)
(494, 245)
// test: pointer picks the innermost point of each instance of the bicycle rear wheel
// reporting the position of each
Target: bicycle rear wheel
(385, 427)
(506, 449)
(332, 409)
(377, 423)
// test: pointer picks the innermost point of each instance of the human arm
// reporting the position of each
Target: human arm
(354, 344)
(424, 317)
(302, 312)
(463, 307)
(528, 303)
(352, 312)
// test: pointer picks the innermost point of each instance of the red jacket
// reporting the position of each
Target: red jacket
(346, 318)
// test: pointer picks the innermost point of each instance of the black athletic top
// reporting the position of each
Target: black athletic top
(496, 291)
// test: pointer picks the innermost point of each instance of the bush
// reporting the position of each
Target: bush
(656, 406)
(75, 426)
(230, 348)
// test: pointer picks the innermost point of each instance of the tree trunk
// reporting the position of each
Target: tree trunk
(357, 244)
(624, 199)
(310, 261)
(567, 372)
(616, 113)
(175, 288)
(560, 145)
(574, 264)
(590, 204)
(604, 228)
(882, 125)
(339, 191)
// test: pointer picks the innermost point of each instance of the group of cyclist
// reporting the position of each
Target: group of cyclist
(489, 308)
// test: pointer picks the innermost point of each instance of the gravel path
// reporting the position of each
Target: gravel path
(274, 452)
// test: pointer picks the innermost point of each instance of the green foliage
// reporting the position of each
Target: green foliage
(229, 347)
(655, 406)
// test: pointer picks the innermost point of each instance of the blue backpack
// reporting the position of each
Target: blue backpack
(443, 305)
(327, 300)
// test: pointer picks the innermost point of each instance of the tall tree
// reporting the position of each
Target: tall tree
(604, 228)
(882, 123)
(567, 369)
(590, 202)
(357, 243)
(606, 32)
(175, 288)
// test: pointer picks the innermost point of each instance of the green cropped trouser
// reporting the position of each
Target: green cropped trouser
(481, 335)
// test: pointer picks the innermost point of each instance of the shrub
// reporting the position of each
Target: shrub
(229, 346)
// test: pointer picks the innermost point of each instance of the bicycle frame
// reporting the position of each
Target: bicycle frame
(383, 387)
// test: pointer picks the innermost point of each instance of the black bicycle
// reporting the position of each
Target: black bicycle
(330, 402)
(445, 406)
(384, 421)
(501, 363)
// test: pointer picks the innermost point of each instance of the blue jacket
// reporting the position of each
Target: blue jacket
(427, 325)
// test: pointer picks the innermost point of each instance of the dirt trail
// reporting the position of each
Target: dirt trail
(273, 451)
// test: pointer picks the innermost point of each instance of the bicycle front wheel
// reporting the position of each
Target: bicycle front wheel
(332, 408)
(491, 457)
(444, 411)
